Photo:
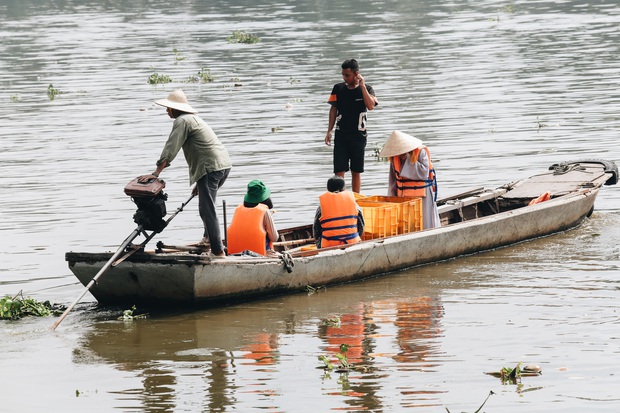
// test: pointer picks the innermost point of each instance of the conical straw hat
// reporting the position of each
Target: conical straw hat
(177, 100)
(399, 143)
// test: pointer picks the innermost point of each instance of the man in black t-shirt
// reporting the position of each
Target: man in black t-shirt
(350, 101)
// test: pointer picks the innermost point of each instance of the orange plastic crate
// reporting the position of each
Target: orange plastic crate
(409, 211)
(381, 219)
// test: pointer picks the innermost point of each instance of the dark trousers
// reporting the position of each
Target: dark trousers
(207, 193)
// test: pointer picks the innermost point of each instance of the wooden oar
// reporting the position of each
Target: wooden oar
(111, 262)
(103, 269)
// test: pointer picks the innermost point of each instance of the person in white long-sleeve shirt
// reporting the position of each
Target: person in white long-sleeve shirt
(412, 174)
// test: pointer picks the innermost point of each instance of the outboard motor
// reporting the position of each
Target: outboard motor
(151, 202)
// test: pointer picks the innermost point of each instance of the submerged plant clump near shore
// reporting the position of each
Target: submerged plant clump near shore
(14, 308)
(129, 315)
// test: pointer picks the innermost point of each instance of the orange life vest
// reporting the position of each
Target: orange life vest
(542, 198)
(338, 219)
(246, 231)
(408, 187)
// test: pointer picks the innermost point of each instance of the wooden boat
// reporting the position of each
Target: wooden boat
(473, 221)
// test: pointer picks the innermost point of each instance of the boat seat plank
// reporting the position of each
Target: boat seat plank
(452, 205)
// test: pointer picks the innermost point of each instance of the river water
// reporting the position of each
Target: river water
(497, 90)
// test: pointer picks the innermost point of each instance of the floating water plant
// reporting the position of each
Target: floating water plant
(239, 36)
(513, 375)
(52, 92)
(156, 78)
(177, 56)
(333, 322)
(343, 367)
(203, 76)
(129, 315)
(13, 308)
(14, 98)
(377, 150)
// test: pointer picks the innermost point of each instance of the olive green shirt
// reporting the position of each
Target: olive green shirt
(203, 151)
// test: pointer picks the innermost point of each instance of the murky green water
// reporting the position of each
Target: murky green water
(496, 90)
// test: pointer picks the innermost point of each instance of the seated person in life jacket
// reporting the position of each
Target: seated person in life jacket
(412, 174)
(252, 226)
(338, 220)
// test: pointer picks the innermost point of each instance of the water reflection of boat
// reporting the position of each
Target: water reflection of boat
(253, 328)
(210, 351)
(475, 221)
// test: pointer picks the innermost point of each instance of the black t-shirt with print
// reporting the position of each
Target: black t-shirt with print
(351, 118)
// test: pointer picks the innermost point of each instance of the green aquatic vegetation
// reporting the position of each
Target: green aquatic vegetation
(239, 36)
(156, 79)
(344, 365)
(14, 98)
(129, 315)
(16, 307)
(332, 322)
(510, 376)
(513, 375)
(342, 357)
(377, 150)
(52, 92)
(177, 56)
(328, 364)
(203, 76)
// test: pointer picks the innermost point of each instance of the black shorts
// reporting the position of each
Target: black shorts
(349, 152)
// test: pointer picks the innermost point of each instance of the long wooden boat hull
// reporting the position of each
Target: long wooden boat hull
(184, 278)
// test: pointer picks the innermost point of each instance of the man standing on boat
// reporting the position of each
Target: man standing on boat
(338, 219)
(412, 174)
(350, 102)
(207, 158)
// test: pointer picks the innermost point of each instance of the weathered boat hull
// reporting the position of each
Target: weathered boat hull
(474, 221)
(182, 278)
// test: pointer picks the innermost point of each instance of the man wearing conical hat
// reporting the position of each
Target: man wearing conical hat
(412, 174)
(207, 159)
(350, 101)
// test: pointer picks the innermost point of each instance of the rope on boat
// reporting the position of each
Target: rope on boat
(564, 168)
(288, 261)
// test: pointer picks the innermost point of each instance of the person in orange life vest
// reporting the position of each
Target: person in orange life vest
(412, 174)
(252, 226)
(338, 219)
